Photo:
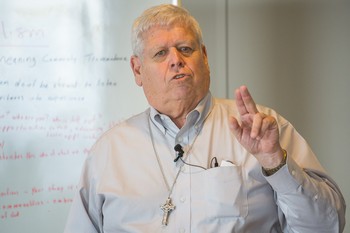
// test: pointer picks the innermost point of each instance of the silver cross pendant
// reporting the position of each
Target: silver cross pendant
(167, 208)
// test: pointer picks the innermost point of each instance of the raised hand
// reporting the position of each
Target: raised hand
(258, 133)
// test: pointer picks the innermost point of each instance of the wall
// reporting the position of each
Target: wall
(295, 57)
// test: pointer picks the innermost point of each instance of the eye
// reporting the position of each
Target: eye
(160, 53)
(186, 50)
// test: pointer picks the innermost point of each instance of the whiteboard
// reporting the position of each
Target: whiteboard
(64, 80)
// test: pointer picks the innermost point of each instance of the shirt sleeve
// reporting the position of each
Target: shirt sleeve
(308, 199)
(79, 220)
(84, 215)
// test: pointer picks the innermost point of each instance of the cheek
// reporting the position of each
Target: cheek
(202, 70)
(151, 82)
(202, 76)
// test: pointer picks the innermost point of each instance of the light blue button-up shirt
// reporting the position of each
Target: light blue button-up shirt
(126, 179)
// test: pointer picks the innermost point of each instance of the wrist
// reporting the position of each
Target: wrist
(273, 170)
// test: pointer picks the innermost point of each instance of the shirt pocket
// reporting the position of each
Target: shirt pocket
(225, 192)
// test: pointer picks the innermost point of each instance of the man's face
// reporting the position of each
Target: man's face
(173, 68)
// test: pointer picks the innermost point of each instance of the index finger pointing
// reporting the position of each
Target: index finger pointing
(246, 101)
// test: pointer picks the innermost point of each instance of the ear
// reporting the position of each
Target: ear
(205, 56)
(204, 52)
(135, 64)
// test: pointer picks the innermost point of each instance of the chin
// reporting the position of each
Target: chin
(185, 95)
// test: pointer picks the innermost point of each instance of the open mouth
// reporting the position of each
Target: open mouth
(179, 76)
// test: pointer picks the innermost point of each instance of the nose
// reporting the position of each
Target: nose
(176, 59)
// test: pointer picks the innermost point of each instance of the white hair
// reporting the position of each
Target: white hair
(164, 15)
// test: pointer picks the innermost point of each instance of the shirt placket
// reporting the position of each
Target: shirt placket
(183, 185)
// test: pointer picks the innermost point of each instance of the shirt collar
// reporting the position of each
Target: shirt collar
(195, 118)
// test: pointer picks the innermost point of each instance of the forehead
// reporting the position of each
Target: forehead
(161, 34)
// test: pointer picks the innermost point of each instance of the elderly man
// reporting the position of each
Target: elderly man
(194, 163)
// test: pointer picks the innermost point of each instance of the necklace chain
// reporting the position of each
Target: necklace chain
(170, 189)
(168, 206)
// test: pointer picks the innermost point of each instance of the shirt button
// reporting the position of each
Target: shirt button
(182, 230)
(183, 199)
(293, 172)
(316, 197)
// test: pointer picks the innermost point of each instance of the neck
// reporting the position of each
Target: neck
(176, 110)
(178, 113)
(179, 122)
